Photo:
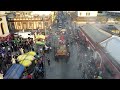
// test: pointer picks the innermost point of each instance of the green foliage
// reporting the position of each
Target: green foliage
(102, 19)
(117, 18)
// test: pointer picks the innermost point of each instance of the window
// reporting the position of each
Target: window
(18, 24)
(80, 14)
(100, 11)
(46, 23)
(40, 25)
(2, 28)
(0, 19)
(29, 34)
(88, 14)
(24, 25)
(30, 25)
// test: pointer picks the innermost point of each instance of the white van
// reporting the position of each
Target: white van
(25, 34)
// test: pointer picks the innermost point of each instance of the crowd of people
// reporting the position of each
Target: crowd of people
(36, 70)
(10, 50)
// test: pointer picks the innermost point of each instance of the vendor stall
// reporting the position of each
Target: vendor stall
(14, 72)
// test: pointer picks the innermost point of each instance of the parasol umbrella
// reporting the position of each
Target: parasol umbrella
(21, 57)
(29, 58)
(31, 53)
(26, 63)
(40, 43)
(63, 30)
(40, 36)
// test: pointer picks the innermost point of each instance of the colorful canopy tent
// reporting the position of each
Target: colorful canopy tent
(40, 36)
(14, 72)
(21, 57)
(40, 43)
(27, 56)
(31, 53)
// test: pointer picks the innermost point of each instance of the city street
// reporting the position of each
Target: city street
(51, 46)
(78, 66)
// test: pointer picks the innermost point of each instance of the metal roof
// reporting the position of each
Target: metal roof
(117, 26)
(112, 46)
(114, 11)
(96, 34)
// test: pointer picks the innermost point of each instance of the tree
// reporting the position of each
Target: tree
(102, 19)
(117, 18)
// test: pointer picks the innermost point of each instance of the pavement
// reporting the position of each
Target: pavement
(79, 65)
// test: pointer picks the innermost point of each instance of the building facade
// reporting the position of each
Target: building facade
(86, 17)
(113, 13)
(4, 31)
(87, 13)
(28, 22)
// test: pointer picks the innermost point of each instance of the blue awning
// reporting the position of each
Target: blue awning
(14, 72)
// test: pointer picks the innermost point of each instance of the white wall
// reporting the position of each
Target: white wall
(46, 13)
(83, 13)
(5, 25)
(2, 12)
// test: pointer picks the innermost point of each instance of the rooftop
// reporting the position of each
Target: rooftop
(96, 34)
(112, 46)
(114, 11)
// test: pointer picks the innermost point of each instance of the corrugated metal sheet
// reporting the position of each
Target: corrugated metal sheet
(112, 46)
(96, 34)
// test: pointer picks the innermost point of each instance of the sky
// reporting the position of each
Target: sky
(41, 12)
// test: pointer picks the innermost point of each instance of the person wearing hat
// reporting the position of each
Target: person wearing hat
(13, 60)
(1, 75)
(21, 50)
